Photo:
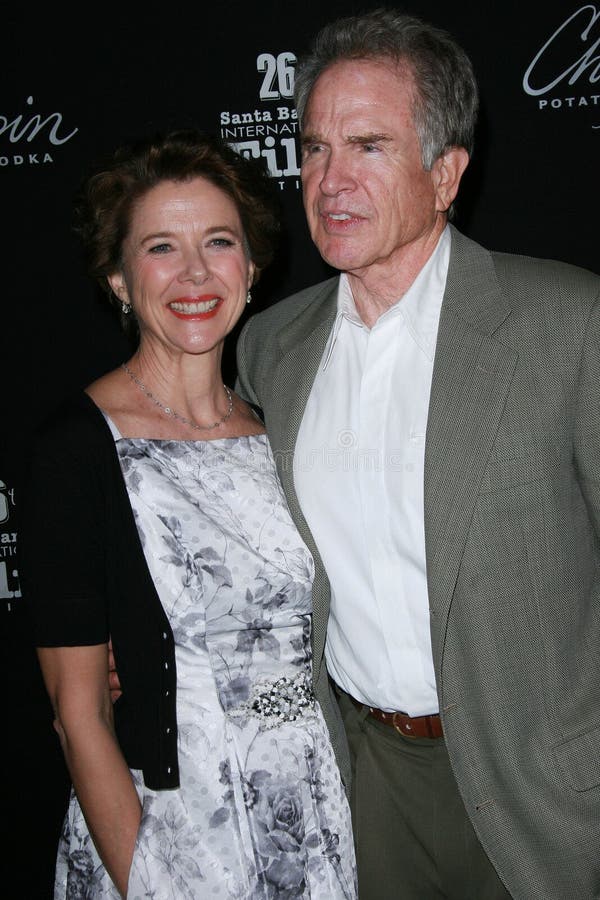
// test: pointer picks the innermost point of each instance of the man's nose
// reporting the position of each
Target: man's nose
(337, 176)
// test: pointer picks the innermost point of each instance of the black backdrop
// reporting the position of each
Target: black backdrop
(74, 89)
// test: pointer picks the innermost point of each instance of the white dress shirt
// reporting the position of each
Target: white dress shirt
(358, 473)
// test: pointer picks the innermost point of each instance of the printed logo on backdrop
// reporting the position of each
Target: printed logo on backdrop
(565, 70)
(33, 137)
(9, 583)
(270, 128)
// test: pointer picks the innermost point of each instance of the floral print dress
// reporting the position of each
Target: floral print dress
(261, 812)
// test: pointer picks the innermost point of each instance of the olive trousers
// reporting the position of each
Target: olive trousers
(414, 840)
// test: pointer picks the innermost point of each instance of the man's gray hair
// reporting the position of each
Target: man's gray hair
(446, 97)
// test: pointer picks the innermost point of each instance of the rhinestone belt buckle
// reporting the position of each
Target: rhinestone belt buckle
(283, 700)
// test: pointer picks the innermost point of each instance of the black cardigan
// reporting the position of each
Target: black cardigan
(84, 579)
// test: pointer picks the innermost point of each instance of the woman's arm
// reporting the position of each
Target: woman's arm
(75, 678)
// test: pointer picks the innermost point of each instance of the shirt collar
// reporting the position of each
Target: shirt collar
(420, 305)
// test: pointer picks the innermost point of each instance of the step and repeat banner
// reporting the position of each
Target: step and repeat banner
(73, 88)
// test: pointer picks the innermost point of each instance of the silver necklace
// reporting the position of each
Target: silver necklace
(171, 412)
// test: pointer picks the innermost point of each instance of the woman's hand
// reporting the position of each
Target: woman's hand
(76, 681)
(114, 684)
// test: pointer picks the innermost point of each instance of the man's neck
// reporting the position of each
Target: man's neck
(378, 287)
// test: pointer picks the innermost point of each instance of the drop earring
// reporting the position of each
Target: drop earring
(125, 308)
(248, 297)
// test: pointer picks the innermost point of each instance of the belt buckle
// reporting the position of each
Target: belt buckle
(397, 718)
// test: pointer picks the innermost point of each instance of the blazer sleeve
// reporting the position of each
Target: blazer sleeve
(587, 422)
(61, 539)
(244, 383)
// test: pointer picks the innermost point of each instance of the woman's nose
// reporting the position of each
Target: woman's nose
(194, 270)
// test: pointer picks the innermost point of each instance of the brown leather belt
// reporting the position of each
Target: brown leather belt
(409, 726)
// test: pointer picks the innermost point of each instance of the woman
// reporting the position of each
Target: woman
(213, 774)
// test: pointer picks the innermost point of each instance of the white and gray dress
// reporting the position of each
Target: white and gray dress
(261, 811)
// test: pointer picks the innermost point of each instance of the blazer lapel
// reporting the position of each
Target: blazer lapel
(301, 344)
(471, 379)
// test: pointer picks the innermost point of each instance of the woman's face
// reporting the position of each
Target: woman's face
(185, 269)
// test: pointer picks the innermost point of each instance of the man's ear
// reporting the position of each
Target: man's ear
(447, 171)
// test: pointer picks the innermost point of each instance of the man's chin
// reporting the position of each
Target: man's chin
(341, 254)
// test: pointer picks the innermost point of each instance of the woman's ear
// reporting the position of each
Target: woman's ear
(118, 287)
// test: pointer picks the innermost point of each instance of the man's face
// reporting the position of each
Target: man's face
(367, 198)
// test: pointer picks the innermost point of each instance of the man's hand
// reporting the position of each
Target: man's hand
(113, 676)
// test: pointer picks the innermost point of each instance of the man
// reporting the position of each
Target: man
(435, 416)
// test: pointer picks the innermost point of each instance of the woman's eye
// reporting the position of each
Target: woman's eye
(160, 248)
(221, 242)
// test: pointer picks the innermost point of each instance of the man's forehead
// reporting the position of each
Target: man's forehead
(349, 74)
(359, 91)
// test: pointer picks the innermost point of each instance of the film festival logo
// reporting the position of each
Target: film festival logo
(270, 129)
(49, 131)
(9, 586)
(568, 61)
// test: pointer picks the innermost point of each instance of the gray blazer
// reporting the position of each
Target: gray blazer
(512, 528)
